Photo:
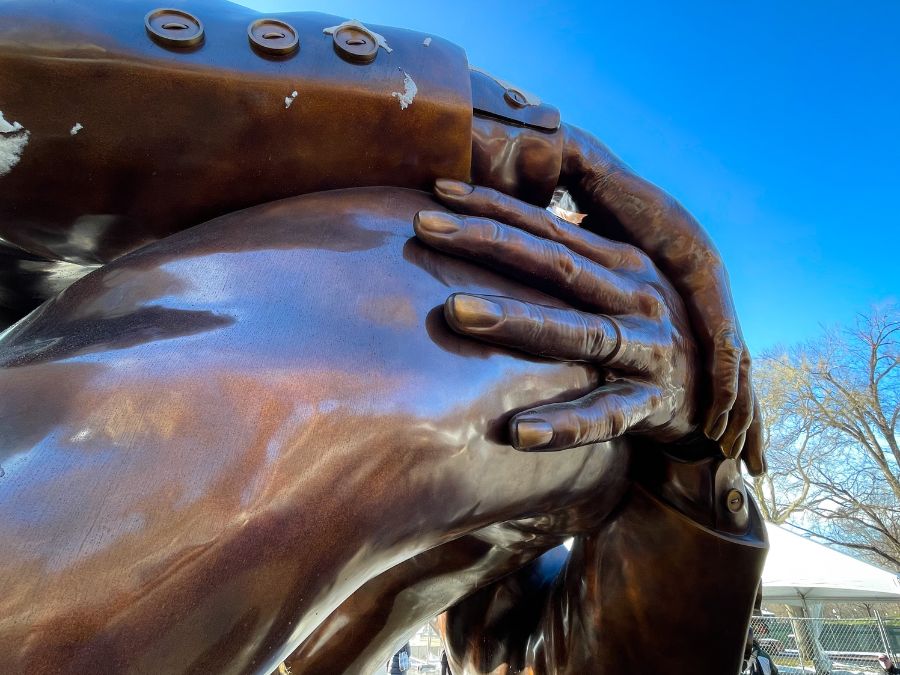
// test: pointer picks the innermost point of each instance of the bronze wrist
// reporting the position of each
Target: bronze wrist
(695, 479)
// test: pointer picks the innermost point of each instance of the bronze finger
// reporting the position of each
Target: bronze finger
(602, 415)
(544, 263)
(741, 414)
(488, 203)
(552, 332)
(726, 359)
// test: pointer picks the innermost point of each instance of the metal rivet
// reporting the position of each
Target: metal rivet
(272, 36)
(355, 44)
(515, 98)
(734, 500)
(174, 28)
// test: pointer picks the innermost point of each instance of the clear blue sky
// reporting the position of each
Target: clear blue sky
(776, 123)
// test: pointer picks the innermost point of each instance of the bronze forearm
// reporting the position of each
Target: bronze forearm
(136, 140)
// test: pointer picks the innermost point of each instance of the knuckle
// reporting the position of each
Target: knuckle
(490, 231)
(727, 392)
(552, 226)
(617, 422)
(651, 303)
(729, 342)
(567, 265)
(746, 364)
(662, 358)
(657, 401)
(495, 204)
(668, 205)
(536, 329)
(634, 257)
(596, 337)
(491, 196)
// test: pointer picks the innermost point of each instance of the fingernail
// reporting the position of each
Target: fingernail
(532, 434)
(436, 222)
(715, 430)
(454, 188)
(471, 311)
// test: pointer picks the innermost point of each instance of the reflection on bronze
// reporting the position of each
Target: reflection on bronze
(298, 430)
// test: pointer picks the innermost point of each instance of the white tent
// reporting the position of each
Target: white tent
(799, 570)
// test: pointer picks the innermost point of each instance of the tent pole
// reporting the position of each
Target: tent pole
(882, 629)
(798, 632)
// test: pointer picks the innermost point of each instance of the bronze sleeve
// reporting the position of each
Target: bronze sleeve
(653, 587)
(122, 138)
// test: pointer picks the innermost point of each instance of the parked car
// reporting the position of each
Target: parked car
(772, 646)
(420, 666)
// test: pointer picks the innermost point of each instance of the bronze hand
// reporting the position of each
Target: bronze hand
(641, 334)
(626, 206)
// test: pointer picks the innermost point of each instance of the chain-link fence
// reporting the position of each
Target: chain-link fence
(827, 646)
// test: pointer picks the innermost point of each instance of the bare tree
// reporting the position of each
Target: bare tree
(831, 410)
(789, 440)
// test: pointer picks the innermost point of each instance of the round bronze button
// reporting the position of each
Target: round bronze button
(355, 44)
(515, 98)
(174, 28)
(272, 36)
(734, 500)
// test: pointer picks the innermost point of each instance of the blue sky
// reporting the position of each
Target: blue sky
(776, 123)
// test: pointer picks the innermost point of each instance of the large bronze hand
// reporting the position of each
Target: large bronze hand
(641, 335)
(625, 206)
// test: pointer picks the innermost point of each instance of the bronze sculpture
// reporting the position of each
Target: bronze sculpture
(199, 435)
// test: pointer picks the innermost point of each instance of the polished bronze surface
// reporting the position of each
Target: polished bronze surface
(211, 443)
(236, 338)
(328, 418)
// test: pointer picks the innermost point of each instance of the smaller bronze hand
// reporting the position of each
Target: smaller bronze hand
(641, 335)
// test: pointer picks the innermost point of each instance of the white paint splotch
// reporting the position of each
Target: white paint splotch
(76, 128)
(409, 92)
(288, 100)
(13, 139)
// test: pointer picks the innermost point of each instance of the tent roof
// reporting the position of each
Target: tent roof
(798, 568)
